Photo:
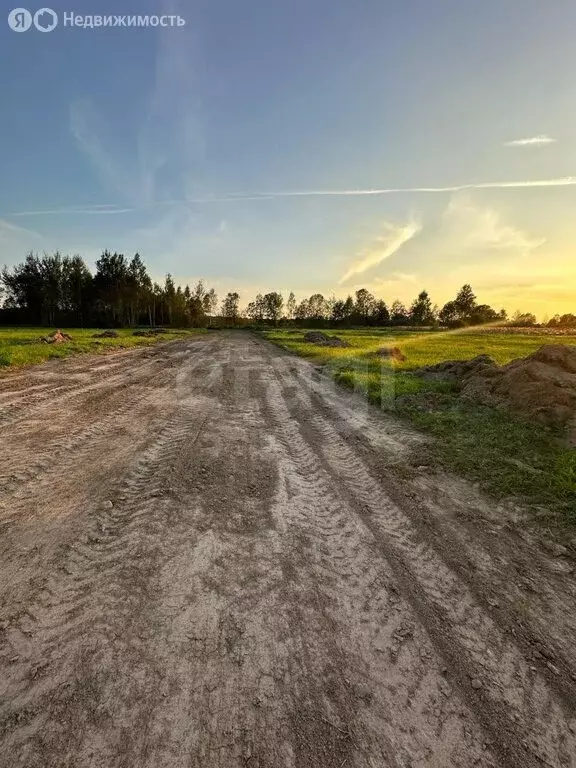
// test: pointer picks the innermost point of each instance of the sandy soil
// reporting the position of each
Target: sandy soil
(210, 556)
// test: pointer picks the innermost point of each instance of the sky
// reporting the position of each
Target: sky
(309, 145)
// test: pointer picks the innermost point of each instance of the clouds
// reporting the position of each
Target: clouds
(383, 248)
(469, 227)
(533, 141)
(132, 187)
(6, 227)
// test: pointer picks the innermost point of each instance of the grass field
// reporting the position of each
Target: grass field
(22, 346)
(507, 455)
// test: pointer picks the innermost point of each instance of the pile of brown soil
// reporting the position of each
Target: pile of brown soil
(542, 385)
(456, 370)
(323, 340)
(56, 338)
(392, 353)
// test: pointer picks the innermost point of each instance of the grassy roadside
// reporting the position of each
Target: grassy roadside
(506, 455)
(21, 346)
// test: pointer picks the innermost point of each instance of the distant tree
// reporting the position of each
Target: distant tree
(482, 314)
(273, 303)
(111, 288)
(230, 307)
(465, 301)
(364, 306)
(291, 306)
(522, 319)
(23, 288)
(138, 285)
(380, 314)
(567, 320)
(317, 307)
(302, 311)
(449, 314)
(398, 313)
(210, 302)
(337, 316)
(348, 309)
(421, 312)
(170, 297)
(464, 310)
(77, 288)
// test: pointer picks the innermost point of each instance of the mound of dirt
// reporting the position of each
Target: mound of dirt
(106, 335)
(541, 386)
(456, 370)
(323, 340)
(149, 331)
(56, 338)
(392, 353)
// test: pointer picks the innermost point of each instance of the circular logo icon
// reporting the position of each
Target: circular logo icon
(45, 20)
(20, 20)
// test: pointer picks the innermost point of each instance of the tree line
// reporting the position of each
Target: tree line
(365, 309)
(61, 290)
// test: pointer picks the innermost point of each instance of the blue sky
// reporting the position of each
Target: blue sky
(186, 144)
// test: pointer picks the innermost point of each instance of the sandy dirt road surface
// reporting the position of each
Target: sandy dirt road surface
(209, 556)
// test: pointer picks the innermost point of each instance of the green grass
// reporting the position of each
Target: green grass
(21, 346)
(507, 455)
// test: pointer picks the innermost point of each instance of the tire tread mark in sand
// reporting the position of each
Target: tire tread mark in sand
(38, 470)
(432, 590)
(446, 543)
(26, 405)
(92, 576)
(321, 516)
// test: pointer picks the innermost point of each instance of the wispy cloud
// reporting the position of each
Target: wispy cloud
(470, 228)
(532, 141)
(383, 247)
(241, 197)
(89, 210)
(8, 227)
(566, 181)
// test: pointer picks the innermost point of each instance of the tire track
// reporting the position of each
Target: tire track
(83, 611)
(480, 559)
(514, 704)
(399, 663)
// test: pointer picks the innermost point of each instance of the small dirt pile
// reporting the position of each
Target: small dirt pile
(56, 338)
(149, 331)
(391, 353)
(542, 385)
(323, 340)
(106, 335)
(456, 370)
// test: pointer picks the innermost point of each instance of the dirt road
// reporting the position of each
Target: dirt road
(209, 556)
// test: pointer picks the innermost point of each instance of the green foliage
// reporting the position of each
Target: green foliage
(56, 290)
(230, 307)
